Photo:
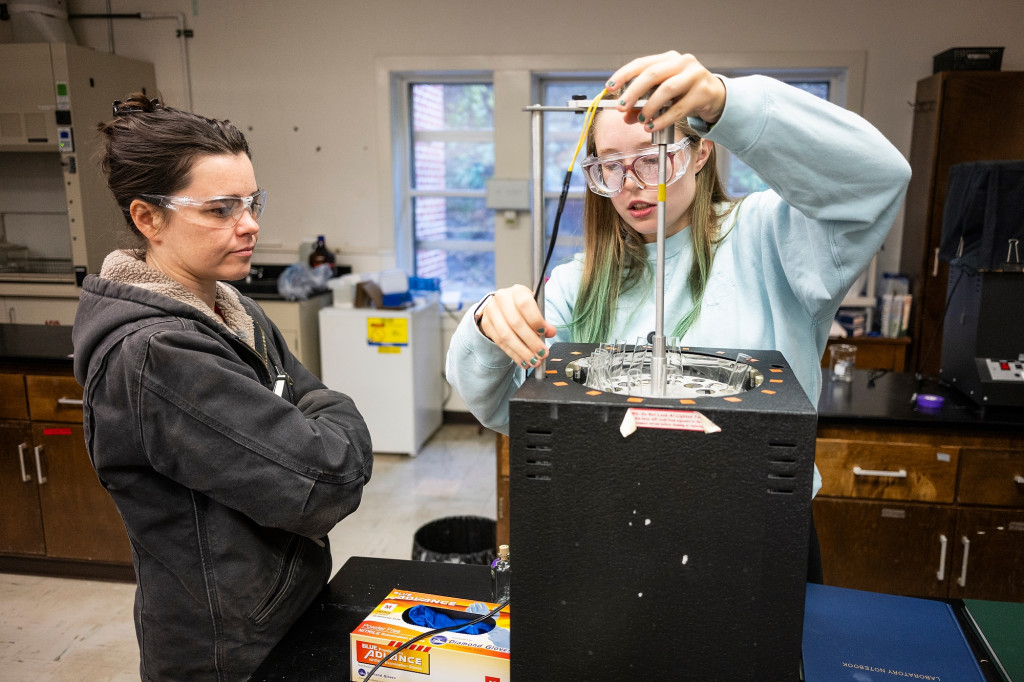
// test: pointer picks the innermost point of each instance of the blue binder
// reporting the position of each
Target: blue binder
(870, 637)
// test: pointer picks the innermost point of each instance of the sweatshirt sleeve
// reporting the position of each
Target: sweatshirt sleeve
(480, 372)
(840, 181)
(299, 467)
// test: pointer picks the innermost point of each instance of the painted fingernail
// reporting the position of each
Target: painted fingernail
(541, 330)
(640, 117)
(610, 84)
(540, 353)
(650, 126)
(524, 364)
(533, 361)
(622, 102)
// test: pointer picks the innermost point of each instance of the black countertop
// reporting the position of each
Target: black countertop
(876, 397)
(316, 649)
(35, 342)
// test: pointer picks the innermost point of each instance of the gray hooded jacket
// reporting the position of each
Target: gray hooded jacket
(227, 490)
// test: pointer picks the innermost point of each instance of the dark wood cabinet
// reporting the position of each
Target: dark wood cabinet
(959, 116)
(54, 515)
(926, 512)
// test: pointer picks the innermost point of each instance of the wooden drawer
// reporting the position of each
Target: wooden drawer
(54, 398)
(889, 471)
(12, 397)
(992, 477)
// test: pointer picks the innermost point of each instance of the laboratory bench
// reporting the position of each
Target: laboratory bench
(919, 502)
(915, 502)
(316, 648)
(55, 517)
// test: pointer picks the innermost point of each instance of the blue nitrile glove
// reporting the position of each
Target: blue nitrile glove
(499, 636)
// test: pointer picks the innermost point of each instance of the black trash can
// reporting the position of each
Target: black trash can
(456, 540)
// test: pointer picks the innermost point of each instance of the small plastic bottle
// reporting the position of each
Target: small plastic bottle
(321, 254)
(501, 575)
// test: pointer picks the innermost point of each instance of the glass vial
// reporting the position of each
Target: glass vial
(501, 575)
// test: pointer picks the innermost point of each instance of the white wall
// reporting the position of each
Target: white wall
(300, 77)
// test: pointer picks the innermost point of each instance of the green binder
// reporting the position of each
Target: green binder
(1000, 626)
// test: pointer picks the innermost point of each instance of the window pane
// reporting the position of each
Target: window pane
(452, 165)
(468, 272)
(440, 218)
(453, 106)
(570, 231)
(561, 135)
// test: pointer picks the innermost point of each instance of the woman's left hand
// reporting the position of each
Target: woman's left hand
(679, 77)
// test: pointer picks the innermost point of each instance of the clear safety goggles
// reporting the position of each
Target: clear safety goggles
(213, 212)
(607, 174)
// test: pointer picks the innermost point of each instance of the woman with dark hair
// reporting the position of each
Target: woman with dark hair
(766, 272)
(228, 461)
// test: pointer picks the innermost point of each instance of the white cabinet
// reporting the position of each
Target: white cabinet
(389, 362)
(32, 310)
(298, 323)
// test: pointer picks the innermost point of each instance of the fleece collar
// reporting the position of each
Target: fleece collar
(126, 268)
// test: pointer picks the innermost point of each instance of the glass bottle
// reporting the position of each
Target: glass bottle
(501, 575)
(321, 254)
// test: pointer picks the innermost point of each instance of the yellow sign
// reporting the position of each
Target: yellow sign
(387, 331)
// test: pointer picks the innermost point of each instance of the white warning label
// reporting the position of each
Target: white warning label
(679, 420)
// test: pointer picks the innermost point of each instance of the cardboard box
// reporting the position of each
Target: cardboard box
(447, 656)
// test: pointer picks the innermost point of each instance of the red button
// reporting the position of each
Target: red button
(1004, 365)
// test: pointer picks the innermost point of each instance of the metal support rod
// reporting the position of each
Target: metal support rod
(662, 139)
(537, 176)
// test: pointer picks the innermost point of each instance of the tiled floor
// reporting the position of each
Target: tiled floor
(70, 630)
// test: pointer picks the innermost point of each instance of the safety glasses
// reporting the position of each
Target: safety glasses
(213, 212)
(607, 174)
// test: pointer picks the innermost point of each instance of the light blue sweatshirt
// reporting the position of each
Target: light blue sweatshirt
(788, 259)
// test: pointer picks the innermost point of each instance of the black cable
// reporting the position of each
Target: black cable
(554, 232)
(502, 604)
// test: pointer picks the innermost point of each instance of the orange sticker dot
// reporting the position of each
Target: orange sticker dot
(593, 392)
(733, 399)
(634, 400)
(768, 392)
(576, 352)
(775, 381)
(559, 383)
(554, 359)
(776, 371)
(687, 401)
(551, 371)
(753, 360)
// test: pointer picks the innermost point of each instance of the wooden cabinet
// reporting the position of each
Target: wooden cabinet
(51, 504)
(959, 116)
(874, 352)
(922, 512)
(503, 489)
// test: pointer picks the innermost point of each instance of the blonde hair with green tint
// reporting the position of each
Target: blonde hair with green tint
(615, 256)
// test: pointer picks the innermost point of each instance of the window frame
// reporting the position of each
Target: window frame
(404, 194)
(515, 79)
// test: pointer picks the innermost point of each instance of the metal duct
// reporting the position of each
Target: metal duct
(39, 21)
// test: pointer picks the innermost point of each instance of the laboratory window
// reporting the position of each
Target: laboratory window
(443, 220)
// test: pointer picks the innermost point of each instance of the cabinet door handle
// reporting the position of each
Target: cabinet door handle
(39, 465)
(935, 263)
(962, 580)
(941, 573)
(25, 476)
(857, 471)
(76, 402)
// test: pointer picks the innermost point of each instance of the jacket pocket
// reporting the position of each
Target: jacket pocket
(280, 587)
